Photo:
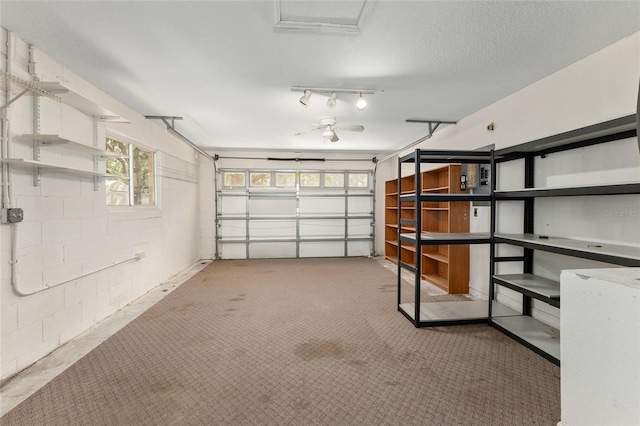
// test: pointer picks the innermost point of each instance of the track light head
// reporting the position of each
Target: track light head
(331, 102)
(361, 104)
(304, 100)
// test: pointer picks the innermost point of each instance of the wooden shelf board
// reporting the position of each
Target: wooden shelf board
(408, 248)
(440, 188)
(437, 280)
(437, 256)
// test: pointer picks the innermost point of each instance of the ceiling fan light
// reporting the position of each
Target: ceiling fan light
(330, 135)
(331, 102)
(304, 99)
(361, 104)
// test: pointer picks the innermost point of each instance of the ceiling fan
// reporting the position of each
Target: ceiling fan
(329, 127)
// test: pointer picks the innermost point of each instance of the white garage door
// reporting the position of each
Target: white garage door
(284, 213)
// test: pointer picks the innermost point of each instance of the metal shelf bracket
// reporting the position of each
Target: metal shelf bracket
(8, 80)
(433, 124)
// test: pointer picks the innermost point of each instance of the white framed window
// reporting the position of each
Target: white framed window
(134, 167)
(234, 179)
(260, 179)
(358, 180)
(333, 180)
(310, 179)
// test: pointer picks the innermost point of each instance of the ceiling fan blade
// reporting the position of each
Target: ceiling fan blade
(318, 127)
(349, 127)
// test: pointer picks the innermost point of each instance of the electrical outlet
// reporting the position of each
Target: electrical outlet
(13, 215)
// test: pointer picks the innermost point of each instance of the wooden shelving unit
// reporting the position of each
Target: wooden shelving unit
(446, 266)
(393, 213)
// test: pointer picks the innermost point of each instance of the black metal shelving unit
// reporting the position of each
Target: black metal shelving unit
(521, 326)
(445, 312)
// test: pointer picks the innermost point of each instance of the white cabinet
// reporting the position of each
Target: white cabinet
(600, 376)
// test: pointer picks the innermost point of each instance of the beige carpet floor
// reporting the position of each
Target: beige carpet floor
(296, 342)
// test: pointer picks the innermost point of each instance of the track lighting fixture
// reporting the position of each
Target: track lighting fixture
(304, 100)
(331, 102)
(333, 95)
(361, 104)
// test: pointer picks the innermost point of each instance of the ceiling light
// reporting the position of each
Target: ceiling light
(331, 102)
(304, 100)
(330, 135)
(361, 104)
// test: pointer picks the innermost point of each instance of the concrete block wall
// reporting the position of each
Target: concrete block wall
(69, 232)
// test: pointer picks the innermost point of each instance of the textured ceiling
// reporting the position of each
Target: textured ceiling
(225, 68)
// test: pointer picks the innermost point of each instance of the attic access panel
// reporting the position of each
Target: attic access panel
(342, 16)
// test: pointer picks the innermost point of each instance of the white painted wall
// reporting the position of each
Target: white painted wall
(68, 230)
(207, 208)
(600, 343)
(600, 87)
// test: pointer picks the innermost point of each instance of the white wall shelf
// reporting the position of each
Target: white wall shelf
(48, 167)
(79, 102)
(57, 141)
(58, 92)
